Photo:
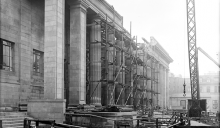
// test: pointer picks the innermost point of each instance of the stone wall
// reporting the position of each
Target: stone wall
(10, 27)
(47, 109)
(22, 23)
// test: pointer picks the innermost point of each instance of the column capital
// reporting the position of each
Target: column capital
(83, 4)
(96, 17)
(162, 66)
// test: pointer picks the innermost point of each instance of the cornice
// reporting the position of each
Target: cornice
(162, 50)
(111, 8)
(84, 3)
(103, 14)
(80, 4)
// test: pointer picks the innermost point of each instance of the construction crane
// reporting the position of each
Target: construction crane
(195, 109)
(196, 105)
(207, 55)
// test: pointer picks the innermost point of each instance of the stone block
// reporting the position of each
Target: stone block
(48, 2)
(59, 95)
(54, 108)
(49, 8)
(50, 23)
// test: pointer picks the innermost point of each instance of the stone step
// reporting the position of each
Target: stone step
(8, 109)
(12, 121)
(12, 113)
(15, 127)
(16, 123)
(12, 125)
(18, 118)
(6, 117)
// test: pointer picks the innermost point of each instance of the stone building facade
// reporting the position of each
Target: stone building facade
(37, 37)
(209, 90)
(22, 42)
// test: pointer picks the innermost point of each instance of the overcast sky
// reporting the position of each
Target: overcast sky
(166, 21)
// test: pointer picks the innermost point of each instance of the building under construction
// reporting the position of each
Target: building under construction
(58, 54)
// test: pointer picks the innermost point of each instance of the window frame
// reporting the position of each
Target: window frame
(208, 89)
(183, 103)
(214, 104)
(40, 54)
(10, 57)
(216, 89)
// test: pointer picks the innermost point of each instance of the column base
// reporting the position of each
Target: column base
(46, 109)
(96, 104)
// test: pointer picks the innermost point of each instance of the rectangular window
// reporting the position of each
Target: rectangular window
(215, 104)
(201, 89)
(6, 55)
(208, 80)
(208, 89)
(38, 63)
(216, 79)
(183, 104)
(216, 89)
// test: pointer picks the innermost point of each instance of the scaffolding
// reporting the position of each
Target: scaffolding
(128, 75)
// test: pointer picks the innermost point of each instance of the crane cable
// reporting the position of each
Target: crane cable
(184, 40)
(184, 84)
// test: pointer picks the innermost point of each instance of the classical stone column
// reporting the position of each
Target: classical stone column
(167, 87)
(164, 87)
(95, 64)
(153, 83)
(159, 86)
(53, 105)
(110, 75)
(121, 78)
(77, 66)
(157, 82)
(149, 75)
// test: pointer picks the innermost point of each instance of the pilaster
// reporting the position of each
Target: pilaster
(54, 49)
(77, 66)
(52, 107)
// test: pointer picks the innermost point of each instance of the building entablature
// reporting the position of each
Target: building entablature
(104, 10)
(158, 52)
(107, 12)
(159, 58)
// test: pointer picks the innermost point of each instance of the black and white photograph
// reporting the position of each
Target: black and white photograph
(109, 63)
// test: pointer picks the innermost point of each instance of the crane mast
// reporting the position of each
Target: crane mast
(193, 59)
